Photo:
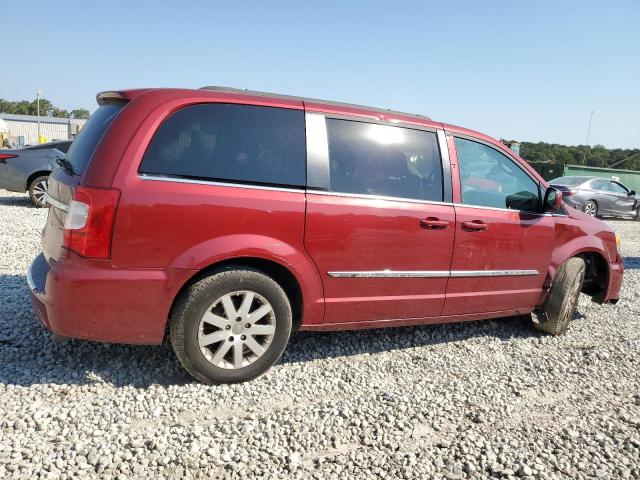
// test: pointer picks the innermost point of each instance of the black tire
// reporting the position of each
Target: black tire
(560, 304)
(198, 299)
(590, 208)
(36, 192)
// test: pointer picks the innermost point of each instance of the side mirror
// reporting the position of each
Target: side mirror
(552, 199)
(632, 192)
(523, 201)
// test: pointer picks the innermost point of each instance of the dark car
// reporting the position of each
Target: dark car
(228, 219)
(597, 196)
(27, 169)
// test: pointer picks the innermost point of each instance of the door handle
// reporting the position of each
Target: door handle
(474, 226)
(433, 223)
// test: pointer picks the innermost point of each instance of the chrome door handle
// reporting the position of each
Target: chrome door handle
(433, 223)
(474, 226)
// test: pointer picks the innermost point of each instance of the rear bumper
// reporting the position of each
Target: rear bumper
(91, 300)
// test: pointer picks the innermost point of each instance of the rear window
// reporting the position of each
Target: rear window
(238, 143)
(87, 140)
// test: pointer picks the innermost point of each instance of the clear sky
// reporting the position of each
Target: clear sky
(528, 70)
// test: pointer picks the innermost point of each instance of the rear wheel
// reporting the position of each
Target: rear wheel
(231, 326)
(561, 301)
(590, 208)
(37, 189)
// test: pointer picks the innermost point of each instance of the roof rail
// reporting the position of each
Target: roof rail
(308, 99)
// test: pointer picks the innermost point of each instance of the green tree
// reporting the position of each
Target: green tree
(80, 113)
(25, 107)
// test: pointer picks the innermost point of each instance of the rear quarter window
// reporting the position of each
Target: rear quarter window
(237, 143)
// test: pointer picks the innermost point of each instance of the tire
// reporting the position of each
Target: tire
(210, 297)
(590, 208)
(37, 188)
(560, 304)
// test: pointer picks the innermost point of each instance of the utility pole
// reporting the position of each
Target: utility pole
(584, 159)
(38, 93)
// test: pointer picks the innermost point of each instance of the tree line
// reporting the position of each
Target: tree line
(596, 156)
(26, 107)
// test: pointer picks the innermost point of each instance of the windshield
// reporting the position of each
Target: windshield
(568, 181)
(87, 140)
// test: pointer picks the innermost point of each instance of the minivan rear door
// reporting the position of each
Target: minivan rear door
(377, 225)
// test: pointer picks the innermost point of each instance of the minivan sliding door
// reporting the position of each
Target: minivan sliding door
(376, 225)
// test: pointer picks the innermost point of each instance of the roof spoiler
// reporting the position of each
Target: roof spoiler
(111, 98)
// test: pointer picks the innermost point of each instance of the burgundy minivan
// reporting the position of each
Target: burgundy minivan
(225, 219)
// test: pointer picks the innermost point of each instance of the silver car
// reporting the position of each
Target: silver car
(27, 169)
(597, 196)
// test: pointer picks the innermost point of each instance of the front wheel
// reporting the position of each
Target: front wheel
(590, 208)
(37, 189)
(561, 301)
(232, 326)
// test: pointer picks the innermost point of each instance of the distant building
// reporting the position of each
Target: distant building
(23, 129)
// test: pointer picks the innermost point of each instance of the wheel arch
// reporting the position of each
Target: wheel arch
(597, 271)
(282, 275)
(35, 175)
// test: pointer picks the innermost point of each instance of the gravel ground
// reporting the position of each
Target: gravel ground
(474, 400)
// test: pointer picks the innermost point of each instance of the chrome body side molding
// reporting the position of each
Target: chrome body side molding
(432, 273)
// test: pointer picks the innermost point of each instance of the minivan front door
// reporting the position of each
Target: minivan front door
(379, 232)
(503, 244)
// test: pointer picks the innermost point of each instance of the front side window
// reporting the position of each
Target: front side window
(238, 143)
(619, 188)
(490, 179)
(374, 159)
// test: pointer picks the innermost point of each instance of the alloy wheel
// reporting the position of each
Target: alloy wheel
(590, 209)
(39, 189)
(236, 329)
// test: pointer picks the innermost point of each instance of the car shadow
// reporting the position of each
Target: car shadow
(17, 201)
(29, 355)
(631, 263)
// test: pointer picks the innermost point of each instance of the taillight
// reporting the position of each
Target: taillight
(89, 224)
(568, 193)
(6, 156)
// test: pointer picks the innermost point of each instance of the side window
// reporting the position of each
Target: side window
(619, 188)
(242, 143)
(603, 185)
(63, 146)
(374, 159)
(490, 179)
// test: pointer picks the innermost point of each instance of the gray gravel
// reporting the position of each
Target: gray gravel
(475, 400)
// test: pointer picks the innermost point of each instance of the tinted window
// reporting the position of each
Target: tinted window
(242, 143)
(603, 185)
(87, 140)
(490, 179)
(378, 159)
(63, 146)
(619, 188)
